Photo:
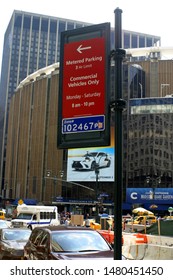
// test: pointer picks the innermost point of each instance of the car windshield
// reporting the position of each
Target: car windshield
(78, 241)
(16, 235)
(25, 216)
(3, 224)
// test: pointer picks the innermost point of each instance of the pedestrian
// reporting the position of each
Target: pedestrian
(87, 221)
(67, 222)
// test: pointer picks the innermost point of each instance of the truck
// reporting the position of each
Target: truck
(31, 216)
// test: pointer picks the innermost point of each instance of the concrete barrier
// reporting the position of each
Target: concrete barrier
(147, 252)
(157, 248)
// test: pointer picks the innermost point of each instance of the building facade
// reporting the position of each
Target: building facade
(31, 42)
(36, 169)
(150, 142)
(149, 153)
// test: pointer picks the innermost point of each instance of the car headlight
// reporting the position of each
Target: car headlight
(87, 160)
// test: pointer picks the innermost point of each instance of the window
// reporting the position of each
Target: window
(44, 25)
(27, 22)
(47, 215)
(35, 25)
(134, 41)
(61, 26)
(70, 25)
(53, 25)
(126, 40)
(141, 41)
(18, 20)
(149, 42)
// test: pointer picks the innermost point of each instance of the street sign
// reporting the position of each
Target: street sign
(83, 106)
(84, 124)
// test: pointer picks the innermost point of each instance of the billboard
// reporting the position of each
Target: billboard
(81, 163)
(83, 106)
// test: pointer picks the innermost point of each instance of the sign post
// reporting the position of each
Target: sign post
(119, 105)
(83, 106)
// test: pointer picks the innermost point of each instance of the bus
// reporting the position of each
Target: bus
(31, 216)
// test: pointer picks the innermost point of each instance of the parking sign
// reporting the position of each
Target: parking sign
(84, 88)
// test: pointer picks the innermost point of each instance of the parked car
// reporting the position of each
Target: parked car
(91, 160)
(67, 243)
(5, 224)
(12, 242)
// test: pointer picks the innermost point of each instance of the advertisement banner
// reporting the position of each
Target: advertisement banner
(82, 163)
(152, 195)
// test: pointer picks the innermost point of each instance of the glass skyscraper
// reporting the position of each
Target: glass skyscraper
(31, 42)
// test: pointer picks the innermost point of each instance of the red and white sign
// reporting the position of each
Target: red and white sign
(83, 91)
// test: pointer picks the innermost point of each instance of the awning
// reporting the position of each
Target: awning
(26, 201)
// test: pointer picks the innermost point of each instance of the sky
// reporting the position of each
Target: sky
(145, 16)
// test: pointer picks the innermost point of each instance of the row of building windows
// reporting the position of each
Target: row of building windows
(152, 109)
(45, 24)
(138, 41)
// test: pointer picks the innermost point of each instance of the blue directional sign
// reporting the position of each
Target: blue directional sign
(86, 124)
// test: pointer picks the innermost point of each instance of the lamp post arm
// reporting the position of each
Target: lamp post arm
(71, 182)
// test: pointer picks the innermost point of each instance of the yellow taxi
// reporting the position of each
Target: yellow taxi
(145, 220)
(2, 215)
(168, 217)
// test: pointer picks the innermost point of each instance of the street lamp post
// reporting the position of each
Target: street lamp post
(153, 182)
(54, 183)
(96, 189)
(48, 174)
(60, 181)
(55, 179)
(61, 176)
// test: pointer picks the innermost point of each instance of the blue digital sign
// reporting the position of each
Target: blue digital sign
(84, 124)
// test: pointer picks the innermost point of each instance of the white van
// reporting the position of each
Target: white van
(31, 216)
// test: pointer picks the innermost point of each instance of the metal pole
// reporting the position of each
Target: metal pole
(96, 193)
(43, 189)
(55, 189)
(119, 106)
